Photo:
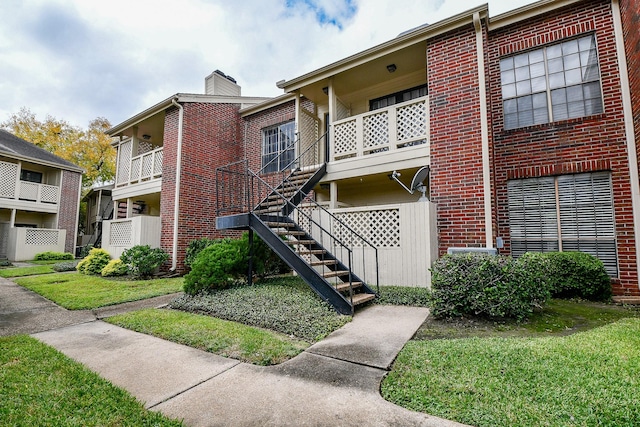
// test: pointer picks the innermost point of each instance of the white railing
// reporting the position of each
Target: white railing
(146, 166)
(121, 234)
(387, 129)
(12, 188)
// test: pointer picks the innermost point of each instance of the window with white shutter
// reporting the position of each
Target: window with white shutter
(564, 213)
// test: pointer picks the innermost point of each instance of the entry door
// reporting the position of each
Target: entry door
(4, 239)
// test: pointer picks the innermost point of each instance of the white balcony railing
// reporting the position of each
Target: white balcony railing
(121, 234)
(141, 168)
(24, 243)
(392, 128)
(13, 188)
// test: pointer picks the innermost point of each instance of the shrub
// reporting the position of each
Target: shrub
(142, 261)
(486, 285)
(115, 267)
(195, 247)
(84, 250)
(216, 266)
(578, 274)
(5, 263)
(265, 261)
(94, 262)
(403, 295)
(64, 266)
(53, 256)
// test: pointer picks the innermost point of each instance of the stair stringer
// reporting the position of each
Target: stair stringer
(302, 192)
(300, 266)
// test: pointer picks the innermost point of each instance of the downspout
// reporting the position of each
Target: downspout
(176, 200)
(484, 131)
(634, 176)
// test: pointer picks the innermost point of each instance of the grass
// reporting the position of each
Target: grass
(40, 386)
(285, 305)
(11, 272)
(222, 337)
(77, 291)
(536, 373)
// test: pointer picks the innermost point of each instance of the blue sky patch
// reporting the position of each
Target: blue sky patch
(334, 13)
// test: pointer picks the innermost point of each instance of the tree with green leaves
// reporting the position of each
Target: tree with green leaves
(90, 149)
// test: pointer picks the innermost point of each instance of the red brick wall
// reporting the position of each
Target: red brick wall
(68, 212)
(576, 145)
(456, 144)
(211, 138)
(630, 10)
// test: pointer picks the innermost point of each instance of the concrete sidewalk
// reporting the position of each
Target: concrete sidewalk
(334, 382)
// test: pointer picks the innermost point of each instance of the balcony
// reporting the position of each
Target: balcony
(141, 168)
(385, 130)
(18, 194)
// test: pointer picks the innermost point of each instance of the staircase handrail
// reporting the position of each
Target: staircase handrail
(297, 159)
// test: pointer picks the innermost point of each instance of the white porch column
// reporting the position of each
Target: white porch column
(333, 195)
(12, 220)
(333, 115)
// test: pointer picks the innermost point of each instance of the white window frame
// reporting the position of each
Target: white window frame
(564, 213)
(537, 84)
(278, 142)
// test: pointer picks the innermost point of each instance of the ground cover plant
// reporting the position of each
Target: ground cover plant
(8, 273)
(403, 295)
(222, 337)
(76, 291)
(283, 304)
(40, 386)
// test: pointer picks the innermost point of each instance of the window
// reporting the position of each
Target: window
(30, 176)
(557, 82)
(564, 213)
(398, 97)
(278, 148)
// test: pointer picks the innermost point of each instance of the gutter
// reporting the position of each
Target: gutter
(176, 201)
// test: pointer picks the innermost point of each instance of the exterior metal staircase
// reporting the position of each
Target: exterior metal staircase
(323, 250)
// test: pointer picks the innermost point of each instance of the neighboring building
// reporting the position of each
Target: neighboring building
(99, 207)
(527, 122)
(39, 200)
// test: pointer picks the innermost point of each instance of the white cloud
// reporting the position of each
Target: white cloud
(78, 59)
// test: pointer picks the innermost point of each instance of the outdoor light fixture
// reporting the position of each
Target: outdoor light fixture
(146, 137)
(391, 68)
(325, 90)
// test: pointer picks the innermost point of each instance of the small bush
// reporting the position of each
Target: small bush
(115, 267)
(5, 263)
(216, 266)
(64, 266)
(578, 274)
(489, 286)
(195, 247)
(403, 295)
(142, 261)
(53, 256)
(84, 250)
(265, 261)
(94, 262)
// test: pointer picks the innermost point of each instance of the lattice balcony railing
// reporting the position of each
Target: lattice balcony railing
(145, 166)
(392, 128)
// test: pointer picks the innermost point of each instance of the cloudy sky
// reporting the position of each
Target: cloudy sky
(81, 59)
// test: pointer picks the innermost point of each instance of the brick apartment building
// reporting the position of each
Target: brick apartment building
(527, 122)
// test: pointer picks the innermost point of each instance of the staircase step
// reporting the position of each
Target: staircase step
(273, 224)
(301, 242)
(323, 262)
(362, 298)
(312, 252)
(336, 273)
(291, 233)
(342, 287)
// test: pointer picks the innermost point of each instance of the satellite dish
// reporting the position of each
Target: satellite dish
(417, 183)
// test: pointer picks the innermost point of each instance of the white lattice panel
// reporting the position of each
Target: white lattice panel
(124, 162)
(376, 130)
(49, 193)
(34, 236)
(8, 177)
(157, 163)
(345, 138)
(309, 126)
(380, 227)
(28, 190)
(412, 121)
(135, 169)
(121, 233)
(144, 147)
(342, 110)
(147, 165)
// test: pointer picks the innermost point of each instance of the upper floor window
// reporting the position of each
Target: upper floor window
(557, 82)
(398, 97)
(30, 176)
(278, 147)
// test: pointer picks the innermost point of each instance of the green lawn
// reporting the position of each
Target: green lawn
(77, 291)
(222, 337)
(8, 273)
(588, 378)
(41, 387)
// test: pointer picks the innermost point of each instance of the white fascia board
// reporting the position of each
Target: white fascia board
(527, 12)
(40, 162)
